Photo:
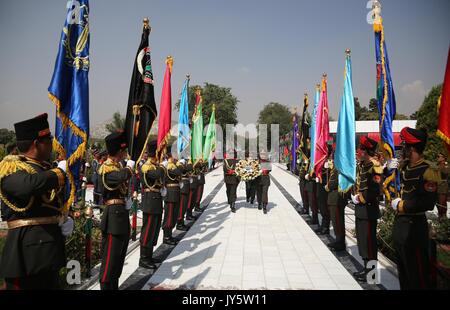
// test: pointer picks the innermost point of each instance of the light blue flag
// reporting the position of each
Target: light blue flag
(313, 129)
(184, 134)
(345, 154)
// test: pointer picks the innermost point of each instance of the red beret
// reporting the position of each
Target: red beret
(365, 143)
(413, 136)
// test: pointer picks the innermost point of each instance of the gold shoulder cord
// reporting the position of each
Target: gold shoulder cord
(11, 164)
(108, 167)
(153, 167)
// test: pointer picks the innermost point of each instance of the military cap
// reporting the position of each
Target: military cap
(33, 128)
(116, 142)
(414, 137)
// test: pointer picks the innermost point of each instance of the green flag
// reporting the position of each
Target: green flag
(197, 129)
(210, 140)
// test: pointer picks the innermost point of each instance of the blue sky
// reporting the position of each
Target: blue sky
(264, 50)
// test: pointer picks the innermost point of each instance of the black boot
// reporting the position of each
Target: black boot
(259, 206)
(362, 274)
(145, 261)
(265, 208)
(233, 209)
(304, 211)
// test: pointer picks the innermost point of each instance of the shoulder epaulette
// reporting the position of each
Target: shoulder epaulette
(108, 166)
(13, 163)
(377, 168)
(431, 175)
(148, 166)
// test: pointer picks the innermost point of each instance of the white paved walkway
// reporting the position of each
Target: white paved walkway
(250, 250)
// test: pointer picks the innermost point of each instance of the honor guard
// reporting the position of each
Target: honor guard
(202, 169)
(306, 150)
(172, 198)
(444, 171)
(366, 201)
(115, 222)
(193, 185)
(32, 208)
(418, 194)
(250, 186)
(152, 175)
(231, 179)
(263, 182)
(322, 197)
(186, 169)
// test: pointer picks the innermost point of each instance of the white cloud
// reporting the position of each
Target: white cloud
(414, 88)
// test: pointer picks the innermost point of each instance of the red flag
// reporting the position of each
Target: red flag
(165, 110)
(322, 131)
(444, 108)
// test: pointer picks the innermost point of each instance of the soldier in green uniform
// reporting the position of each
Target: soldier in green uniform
(32, 207)
(193, 184)
(322, 202)
(115, 223)
(311, 190)
(444, 171)
(250, 186)
(418, 195)
(172, 198)
(152, 175)
(186, 168)
(263, 182)
(202, 169)
(306, 150)
(231, 179)
(366, 201)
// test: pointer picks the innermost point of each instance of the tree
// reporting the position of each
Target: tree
(222, 97)
(373, 105)
(401, 117)
(427, 119)
(117, 123)
(276, 113)
(360, 112)
(7, 136)
(414, 115)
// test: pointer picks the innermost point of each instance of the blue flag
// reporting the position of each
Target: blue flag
(345, 154)
(295, 143)
(386, 107)
(184, 134)
(313, 129)
(69, 91)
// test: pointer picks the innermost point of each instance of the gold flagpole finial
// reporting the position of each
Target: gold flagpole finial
(188, 76)
(169, 61)
(146, 23)
(348, 51)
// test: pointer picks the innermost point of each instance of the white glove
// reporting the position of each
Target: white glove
(63, 165)
(355, 199)
(393, 163)
(306, 161)
(307, 177)
(395, 203)
(131, 163)
(317, 180)
(165, 163)
(128, 204)
(84, 179)
(183, 161)
(87, 165)
(326, 165)
(67, 227)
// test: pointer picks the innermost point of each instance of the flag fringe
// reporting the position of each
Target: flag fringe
(77, 155)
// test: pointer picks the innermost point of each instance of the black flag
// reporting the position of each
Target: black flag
(141, 110)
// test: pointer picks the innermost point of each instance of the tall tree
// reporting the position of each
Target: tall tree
(117, 123)
(222, 97)
(427, 119)
(276, 113)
